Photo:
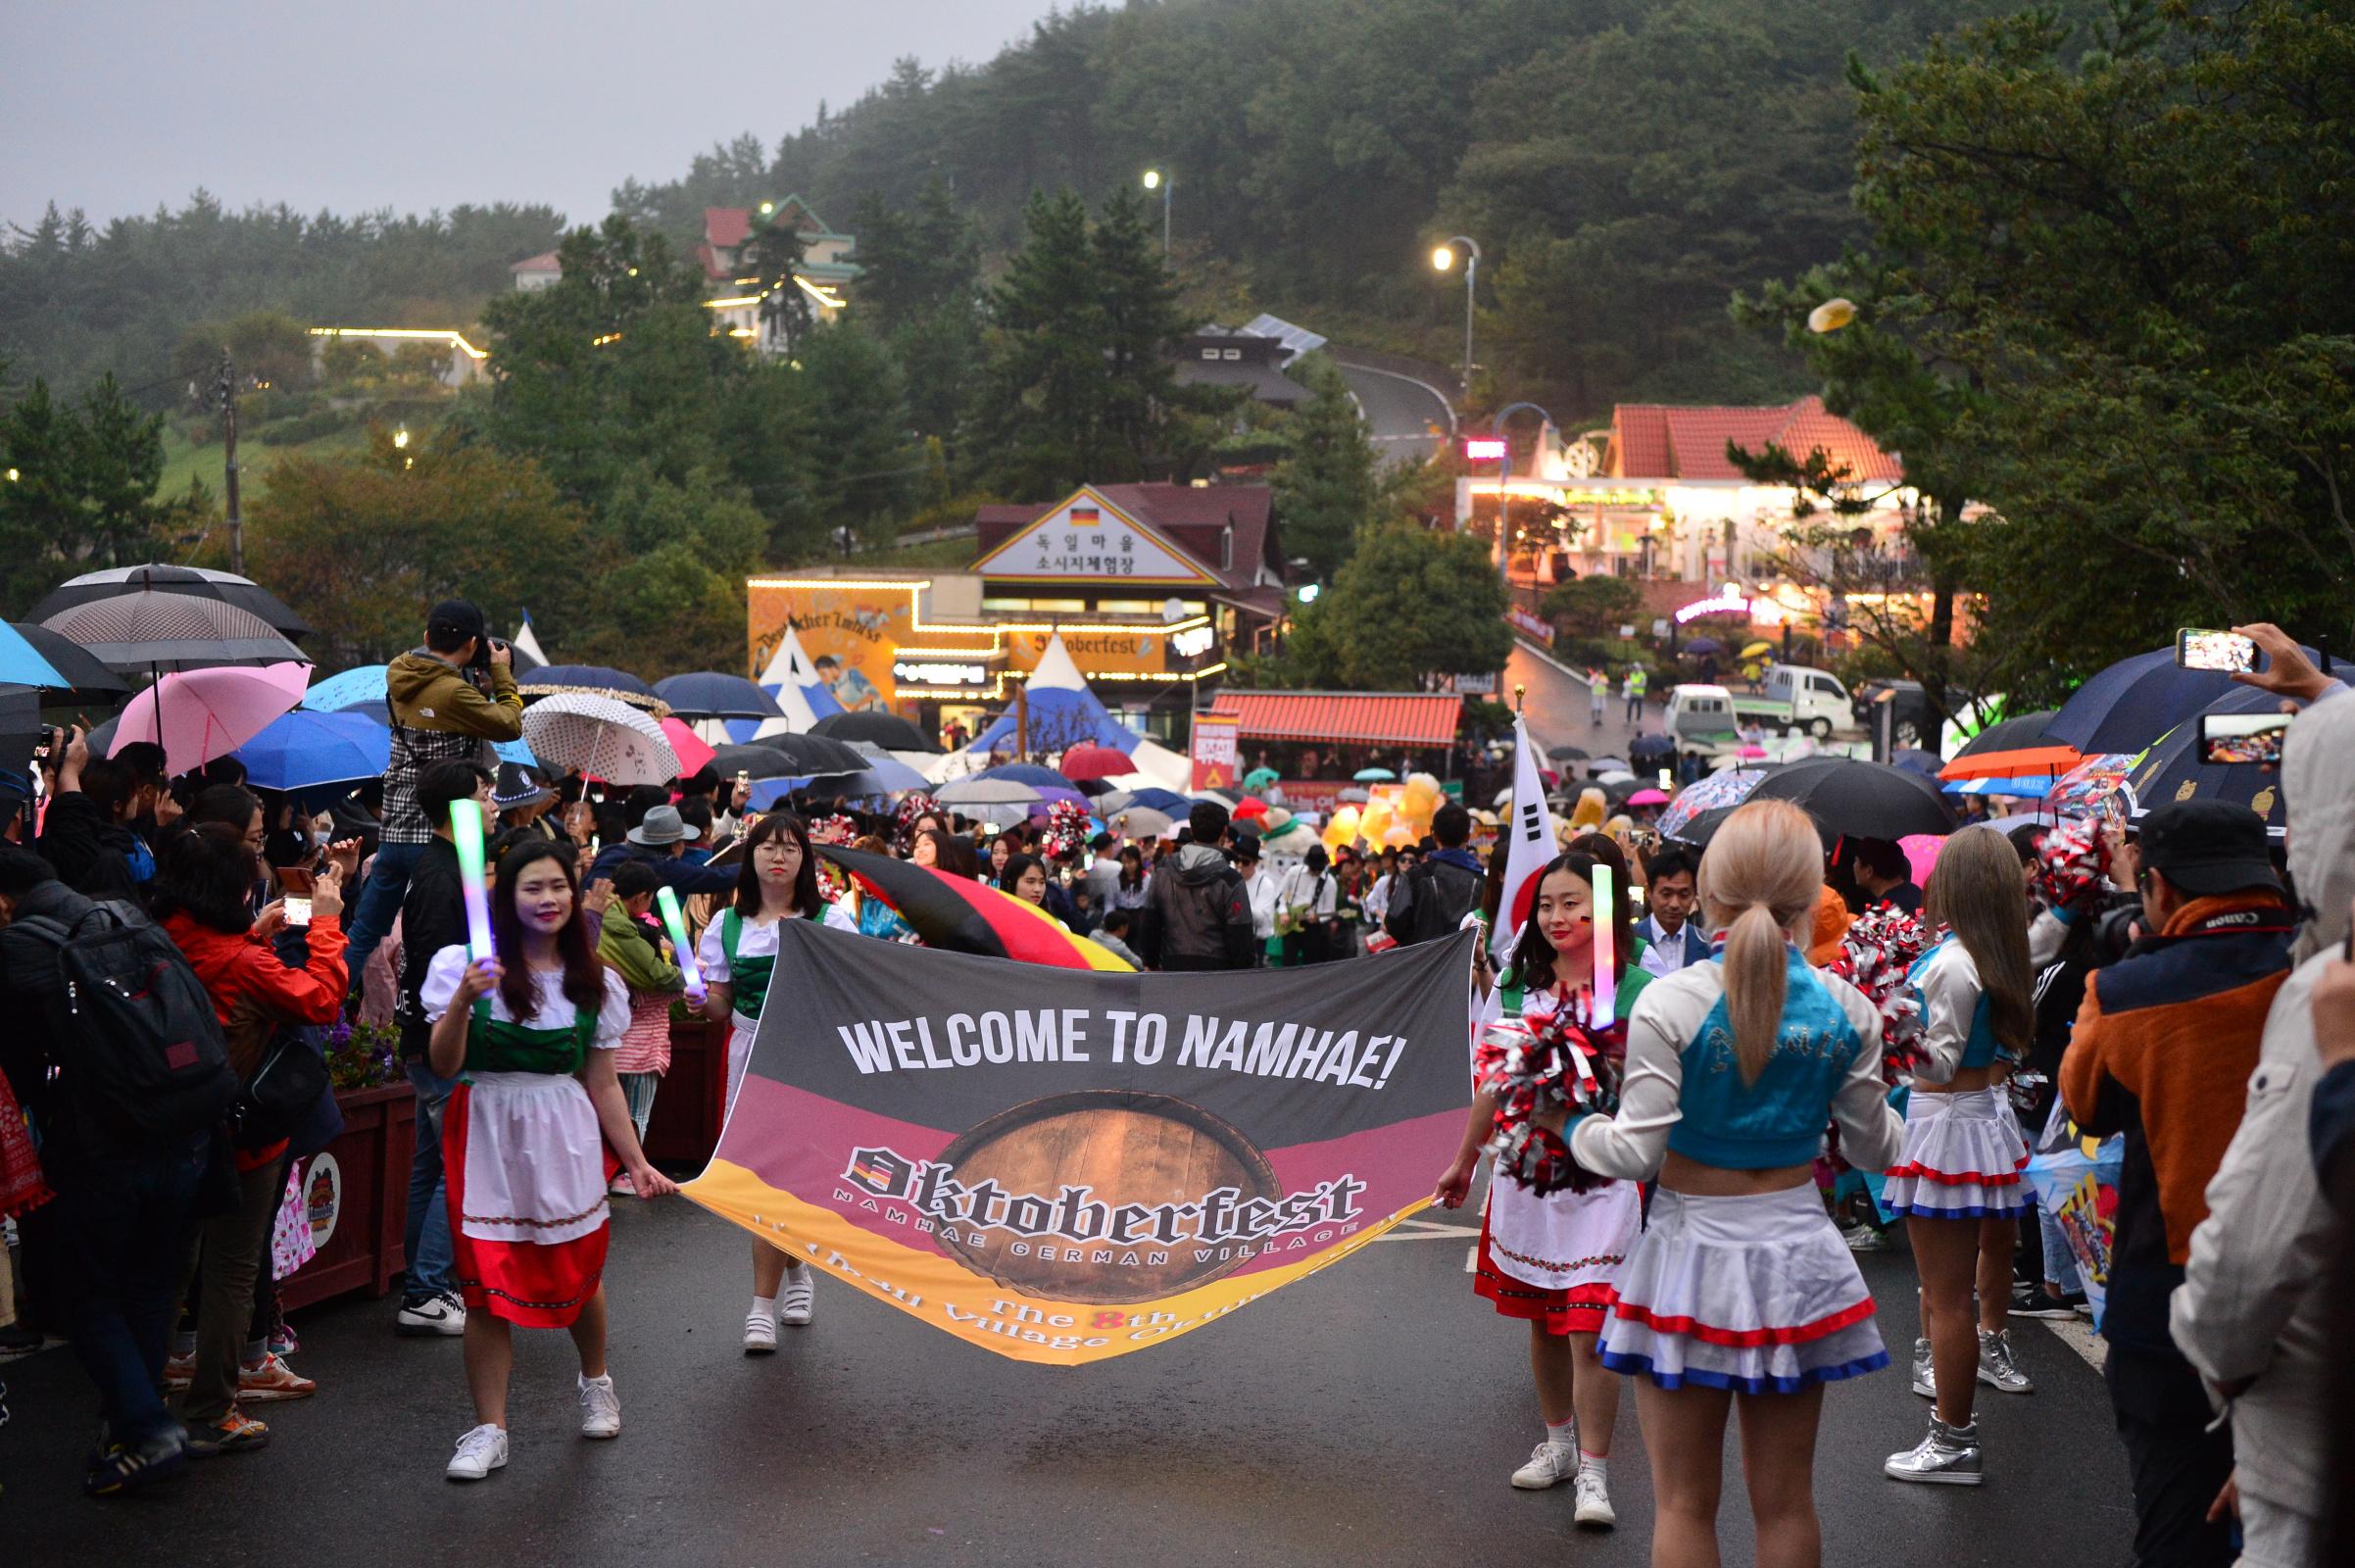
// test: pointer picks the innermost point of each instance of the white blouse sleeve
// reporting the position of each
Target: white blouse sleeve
(839, 918)
(612, 1014)
(1872, 1135)
(712, 954)
(1949, 989)
(1632, 1144)
(440, 984)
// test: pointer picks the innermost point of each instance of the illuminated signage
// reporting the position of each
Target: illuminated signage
(1194, 644)
(1484, 449)
(1721, 605)
(910, 672)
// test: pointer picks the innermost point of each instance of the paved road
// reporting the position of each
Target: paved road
(1368, 1414)
(1400, 411)
(1555, 703)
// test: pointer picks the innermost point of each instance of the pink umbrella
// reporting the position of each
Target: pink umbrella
(1921, 854)
(210, 712)
(1647, 798)
(694, 754)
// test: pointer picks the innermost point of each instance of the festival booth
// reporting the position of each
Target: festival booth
(1320, 744)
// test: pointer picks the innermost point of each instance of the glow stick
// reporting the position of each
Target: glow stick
(466, 835)
(667, 900)
(1606, 923)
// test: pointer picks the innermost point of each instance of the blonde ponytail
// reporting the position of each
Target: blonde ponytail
(1759, 879)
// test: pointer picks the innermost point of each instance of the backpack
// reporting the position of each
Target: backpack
(148, 1058)
(1438, 903)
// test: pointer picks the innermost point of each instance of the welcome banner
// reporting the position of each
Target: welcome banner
(1067, 1165)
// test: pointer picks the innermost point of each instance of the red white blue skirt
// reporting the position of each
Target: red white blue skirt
(1757, 1293)
(1963, 1158)
(526, 1167)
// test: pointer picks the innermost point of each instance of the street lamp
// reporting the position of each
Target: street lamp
(1154, 179)
(1442, 257)
(1504, 473)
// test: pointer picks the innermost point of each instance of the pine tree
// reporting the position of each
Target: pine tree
(1325, 489)
(1037, 416)
(1142, 317)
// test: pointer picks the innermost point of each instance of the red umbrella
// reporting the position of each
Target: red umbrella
(1083, 763)
(693, 752)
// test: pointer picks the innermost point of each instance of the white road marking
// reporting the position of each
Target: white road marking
(2078, 1334)
(1425, 1230)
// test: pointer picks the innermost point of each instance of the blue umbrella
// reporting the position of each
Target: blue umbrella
(1382, 775)
(1030, 773)
(2136, 701)
(709, 693)
(338, 692)
(2172, 769)
(21, 664)
(304, 750)
(376, 711)
(1154, 799)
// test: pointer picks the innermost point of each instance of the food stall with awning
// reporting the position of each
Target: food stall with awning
(1315, 740)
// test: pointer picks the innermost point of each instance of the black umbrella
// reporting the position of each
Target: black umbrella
(755, 762)
(1565, 754)
(20, 727)
(1700, 646)
(709, 693)
(87, 680)
(593, 680)
(817, 754)
(2015, 734)
(1914, 760)
(149, 631)
(2172, 770)
(1853, 799)
(195, 581)
(1704, 827)
(887, 730)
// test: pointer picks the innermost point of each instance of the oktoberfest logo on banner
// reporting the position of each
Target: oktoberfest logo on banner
(1065, 1165)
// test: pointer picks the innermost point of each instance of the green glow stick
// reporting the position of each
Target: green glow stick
(465, 833)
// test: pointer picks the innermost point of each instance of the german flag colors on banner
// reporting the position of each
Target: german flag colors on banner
(1067, 1164)
(962, 915)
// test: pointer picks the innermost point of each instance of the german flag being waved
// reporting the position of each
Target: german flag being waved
(962, 916)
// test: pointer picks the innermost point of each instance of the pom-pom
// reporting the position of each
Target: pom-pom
(911, 805)
(2071, 863)
(1066, 830)
(1547, 1063)
(837, 829)
(1877, 956)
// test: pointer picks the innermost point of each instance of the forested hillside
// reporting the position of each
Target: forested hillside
(1625, 165)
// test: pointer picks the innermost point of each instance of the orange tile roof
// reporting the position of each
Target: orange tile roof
(1666, 441)
(544, 262)
(1389, 720)
(727, 227)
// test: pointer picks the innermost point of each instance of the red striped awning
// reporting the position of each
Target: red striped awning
(1413, 720)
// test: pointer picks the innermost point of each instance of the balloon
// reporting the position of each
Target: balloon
(1420, 798)
(1831, 315)
(1342, 831)
(1373, 823)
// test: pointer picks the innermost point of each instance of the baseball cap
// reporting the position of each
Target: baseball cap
(455, 620)
(2207, 848)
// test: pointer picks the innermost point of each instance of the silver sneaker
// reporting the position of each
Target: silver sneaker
(1925, 1382)
(1996, 1368)
(1948, 1456)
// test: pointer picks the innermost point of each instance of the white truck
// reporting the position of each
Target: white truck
(1796, 698)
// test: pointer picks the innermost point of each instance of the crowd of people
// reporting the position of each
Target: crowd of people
(2193, 997)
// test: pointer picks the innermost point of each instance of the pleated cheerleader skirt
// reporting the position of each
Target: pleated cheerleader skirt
(1963, 1158)
(1757, 1295)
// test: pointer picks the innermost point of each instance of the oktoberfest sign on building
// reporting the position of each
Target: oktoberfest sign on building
(1069, 1165)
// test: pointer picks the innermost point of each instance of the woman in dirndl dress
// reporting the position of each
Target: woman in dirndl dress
(1741, 1289)
(1958, 1179)
(777, 881)
(525, 1136)
(1549, 1261)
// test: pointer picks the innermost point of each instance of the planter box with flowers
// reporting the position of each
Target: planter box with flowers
(354, 1194)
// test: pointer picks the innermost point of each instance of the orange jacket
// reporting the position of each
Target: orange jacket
(2176, 1025)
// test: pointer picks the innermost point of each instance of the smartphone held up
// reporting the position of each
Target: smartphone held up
(2224, 651)
(297, 884)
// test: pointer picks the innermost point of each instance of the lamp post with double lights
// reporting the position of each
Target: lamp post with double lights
(1442, 257)
(1157, 179)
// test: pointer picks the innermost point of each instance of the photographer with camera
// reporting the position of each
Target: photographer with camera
(448, 700)
(88, 833)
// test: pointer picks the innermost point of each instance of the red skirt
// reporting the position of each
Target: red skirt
(539, 1285)
(1577, 1311)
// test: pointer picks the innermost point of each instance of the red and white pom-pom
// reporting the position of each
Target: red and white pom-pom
(1066, 830)
(1545, 1064)
(1877, 956)
(837, 829)
(2072, 861)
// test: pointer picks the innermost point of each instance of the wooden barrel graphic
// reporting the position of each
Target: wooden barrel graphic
(1128, 1148)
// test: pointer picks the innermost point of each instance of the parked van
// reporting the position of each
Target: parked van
(1813, 699)
(1701, 714)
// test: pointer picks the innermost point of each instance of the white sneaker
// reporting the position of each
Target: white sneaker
(599, 1407)
(1595, 1499)
(479, 1452)
(623, 1187)
(1549, 1465)
(759, 1333)
(794, 1302)
(441, 1313)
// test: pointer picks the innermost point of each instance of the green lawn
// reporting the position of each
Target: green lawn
(931, 552)
(183, 461)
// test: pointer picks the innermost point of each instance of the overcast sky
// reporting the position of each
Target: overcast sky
(116, 105)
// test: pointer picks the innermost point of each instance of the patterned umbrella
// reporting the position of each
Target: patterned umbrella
(346, 689)
(2172, 769)
(600, 737)
(196, 582)
(2084, 787)
(593, 680)
(150, 629)
(1730, 788)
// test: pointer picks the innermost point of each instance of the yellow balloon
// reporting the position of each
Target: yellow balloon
(1342, 830)
(1831, 315)
(1373, 823)
(1400, 835)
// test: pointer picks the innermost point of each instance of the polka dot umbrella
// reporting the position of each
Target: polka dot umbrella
(600, 737)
